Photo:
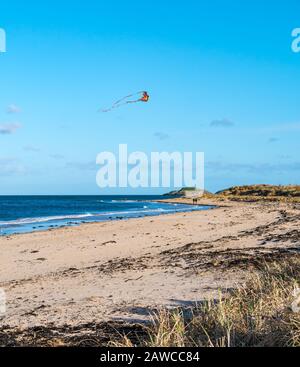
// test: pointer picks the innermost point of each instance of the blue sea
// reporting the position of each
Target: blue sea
(20, 214)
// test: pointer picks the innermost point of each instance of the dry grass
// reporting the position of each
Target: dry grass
(257, 314)
(289, 193)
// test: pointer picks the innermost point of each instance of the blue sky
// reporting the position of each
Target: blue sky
(221, 74)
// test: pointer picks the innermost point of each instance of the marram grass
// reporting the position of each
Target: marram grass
(256, 314)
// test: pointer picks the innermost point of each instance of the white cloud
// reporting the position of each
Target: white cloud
(9, 128)
(161, 136)
(57, 156)
(31, 148)
(273, 140)
(11, 166)
(253, 167)
(12, 108)
(222, 123)
(82, 166)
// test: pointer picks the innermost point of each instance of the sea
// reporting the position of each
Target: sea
(21, 214)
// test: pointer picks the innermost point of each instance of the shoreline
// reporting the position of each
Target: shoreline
(52, 225)
(122, 271)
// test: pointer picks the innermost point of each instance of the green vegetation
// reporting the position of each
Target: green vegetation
(251, 193)
(289, 193)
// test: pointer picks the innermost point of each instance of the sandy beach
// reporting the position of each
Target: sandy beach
(123, 270)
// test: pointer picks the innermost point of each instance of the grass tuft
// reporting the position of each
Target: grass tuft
(256, 314)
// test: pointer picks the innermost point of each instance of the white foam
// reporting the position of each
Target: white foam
(44, 219)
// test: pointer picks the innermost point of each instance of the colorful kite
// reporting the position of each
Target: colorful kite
(144, 97)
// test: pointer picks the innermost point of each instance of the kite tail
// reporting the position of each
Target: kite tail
(119, 103)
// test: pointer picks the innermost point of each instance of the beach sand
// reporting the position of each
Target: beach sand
(122, 270)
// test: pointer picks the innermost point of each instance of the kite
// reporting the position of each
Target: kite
(144, 97)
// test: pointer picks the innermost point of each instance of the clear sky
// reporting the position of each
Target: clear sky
(221, 74)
